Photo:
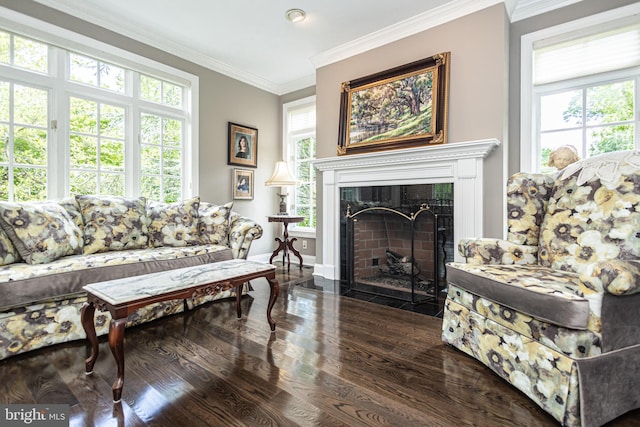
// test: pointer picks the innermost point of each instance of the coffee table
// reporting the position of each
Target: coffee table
(121, 297)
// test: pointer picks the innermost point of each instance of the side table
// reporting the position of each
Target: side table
(286, 244)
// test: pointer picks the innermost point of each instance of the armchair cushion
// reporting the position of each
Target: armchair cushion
(546, 294)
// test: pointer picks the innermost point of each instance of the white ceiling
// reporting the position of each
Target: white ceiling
(251, 40)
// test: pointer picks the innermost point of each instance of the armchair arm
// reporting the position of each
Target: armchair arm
(617, 277)
(497, 251)
(242, 231)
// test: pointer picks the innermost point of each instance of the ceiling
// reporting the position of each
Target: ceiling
(250, 40)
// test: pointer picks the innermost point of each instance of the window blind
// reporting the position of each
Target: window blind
(586, 55)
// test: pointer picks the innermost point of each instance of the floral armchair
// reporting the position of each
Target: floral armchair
(555, 308)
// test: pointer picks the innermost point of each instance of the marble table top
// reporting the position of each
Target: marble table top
(130, 289)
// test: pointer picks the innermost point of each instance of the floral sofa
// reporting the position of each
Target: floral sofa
(555, 308)
(50, 250)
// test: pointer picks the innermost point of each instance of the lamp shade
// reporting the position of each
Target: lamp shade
(281, 176)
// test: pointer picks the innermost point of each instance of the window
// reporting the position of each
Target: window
(76, 122)
(300, 145)
(581, 86)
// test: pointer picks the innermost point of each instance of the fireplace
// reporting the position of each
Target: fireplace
(460, 164)
(395, 240)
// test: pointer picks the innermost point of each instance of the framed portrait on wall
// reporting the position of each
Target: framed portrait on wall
(242, 184)
(243, 146)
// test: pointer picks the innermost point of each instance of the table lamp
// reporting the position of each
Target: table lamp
(281, 177)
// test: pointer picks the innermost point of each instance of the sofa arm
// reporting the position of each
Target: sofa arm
(617, 277)
(242, 231)
(497, 251)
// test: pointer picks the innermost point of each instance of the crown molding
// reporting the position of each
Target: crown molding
(517, 10)
(527, 8)
(424, 21)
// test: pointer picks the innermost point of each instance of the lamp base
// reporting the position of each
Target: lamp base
(283, 204)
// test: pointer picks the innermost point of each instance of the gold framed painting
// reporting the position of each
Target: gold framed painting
(402, 107)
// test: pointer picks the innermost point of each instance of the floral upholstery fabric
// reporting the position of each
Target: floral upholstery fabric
(214, 223)
(243, 231)
(47, 323)
(45, 307)
(589, 221)
(571, 342)
(174, 224)
(41, 232)
(497, 251)
(71, 206)
(113, 223)
(8, 252)
(584, 222)
(546, 376)
(538, 291)
(21, 271)
(527, 197)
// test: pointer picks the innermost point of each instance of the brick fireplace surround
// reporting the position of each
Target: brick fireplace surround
(459, 163)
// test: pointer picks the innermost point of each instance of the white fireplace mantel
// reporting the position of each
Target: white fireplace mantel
(459, 163)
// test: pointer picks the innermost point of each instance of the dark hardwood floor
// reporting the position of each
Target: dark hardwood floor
(333, 361)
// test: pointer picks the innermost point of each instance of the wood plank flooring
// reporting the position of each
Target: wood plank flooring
(333, 361)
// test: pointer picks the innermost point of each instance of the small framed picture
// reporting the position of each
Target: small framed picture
(242, 184)
(243, 146)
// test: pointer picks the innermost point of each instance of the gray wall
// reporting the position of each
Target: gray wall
(477, 94)
(222, 99)
(518, 29)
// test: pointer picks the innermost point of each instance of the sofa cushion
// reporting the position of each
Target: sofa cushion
(550, 295)
(8, 252)
(214, 223)
(70, 204)
(22, 284)
(113, 223)
(41, 232)
(174, 224)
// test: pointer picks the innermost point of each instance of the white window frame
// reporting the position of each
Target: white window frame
(289, 154)
(53, 35)
(529, 147)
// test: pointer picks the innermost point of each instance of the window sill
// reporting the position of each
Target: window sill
(302, 232)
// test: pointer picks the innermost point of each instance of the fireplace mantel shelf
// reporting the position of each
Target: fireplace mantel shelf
(451, 151)
(459, 163)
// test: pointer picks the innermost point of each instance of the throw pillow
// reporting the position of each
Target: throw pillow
(41, 232)
(113, 223)
(174, 224)
(71, 206)
(8, 252)
(214, 223)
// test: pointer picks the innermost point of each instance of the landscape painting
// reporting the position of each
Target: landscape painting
(398, 108)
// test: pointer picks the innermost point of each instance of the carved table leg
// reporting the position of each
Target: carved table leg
(295, 252)
(273, 294)
(116, 343)
(86, 317)
(238, 296)
(281, 245)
